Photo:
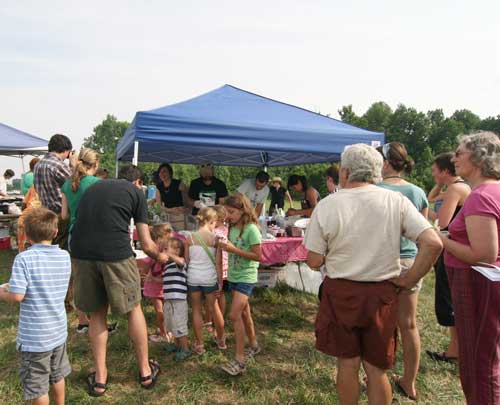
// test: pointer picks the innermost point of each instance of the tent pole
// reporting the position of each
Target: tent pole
(22, 162)
(116, 168)
(135, 159)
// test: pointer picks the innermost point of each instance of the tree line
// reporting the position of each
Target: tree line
(425, 135)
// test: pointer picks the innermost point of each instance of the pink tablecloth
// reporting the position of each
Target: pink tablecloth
(283, 250)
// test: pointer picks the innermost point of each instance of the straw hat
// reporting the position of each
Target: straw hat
(276, 180)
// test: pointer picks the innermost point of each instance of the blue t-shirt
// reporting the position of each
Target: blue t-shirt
(417, 196)
(42, 274)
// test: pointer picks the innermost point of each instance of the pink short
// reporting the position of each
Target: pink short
(153, 289)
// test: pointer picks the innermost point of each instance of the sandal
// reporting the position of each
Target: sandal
(401, 390)
(221, 343)
(155, 371)
(92, 384)
(234, 367)
(441, 357)
(251, 351)
(198, 349)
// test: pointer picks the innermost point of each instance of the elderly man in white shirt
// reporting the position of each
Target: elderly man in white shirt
(356, 234)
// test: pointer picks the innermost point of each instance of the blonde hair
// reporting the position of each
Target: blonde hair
(87, 159)
(221, 212)
(207, 215)
(160, 231)
(242, 203)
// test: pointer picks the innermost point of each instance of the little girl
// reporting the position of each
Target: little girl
(204, 277)
(244, 256)
(153, 285)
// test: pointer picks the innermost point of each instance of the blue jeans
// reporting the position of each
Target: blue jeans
(204, 289)
(243, 288)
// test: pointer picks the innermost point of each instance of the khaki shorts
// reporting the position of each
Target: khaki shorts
(40, 370)
(405, 266)
(99, 283)
(176, 317)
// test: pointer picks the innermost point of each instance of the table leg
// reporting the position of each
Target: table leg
(300, 275)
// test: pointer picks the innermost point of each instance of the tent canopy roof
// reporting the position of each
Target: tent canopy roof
(230, 126)
(16, 142)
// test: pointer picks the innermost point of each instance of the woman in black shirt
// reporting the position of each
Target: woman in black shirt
(278, 194)
(169, 191)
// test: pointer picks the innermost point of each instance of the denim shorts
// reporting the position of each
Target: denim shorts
(243, 288)
(203, 289)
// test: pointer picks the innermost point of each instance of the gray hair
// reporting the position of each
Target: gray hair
(363, 162)
(485, 148)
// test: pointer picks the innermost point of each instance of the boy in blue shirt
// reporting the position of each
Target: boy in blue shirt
(39, 281)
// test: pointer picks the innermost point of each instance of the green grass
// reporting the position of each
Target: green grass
(289, 370)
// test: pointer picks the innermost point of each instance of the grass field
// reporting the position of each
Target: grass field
(289, 370)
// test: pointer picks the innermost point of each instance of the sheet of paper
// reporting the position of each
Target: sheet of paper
(490, 271)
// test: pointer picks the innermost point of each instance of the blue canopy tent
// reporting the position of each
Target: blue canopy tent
(234, 127)
(16, 142)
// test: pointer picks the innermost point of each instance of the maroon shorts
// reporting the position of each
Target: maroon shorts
(358, 319)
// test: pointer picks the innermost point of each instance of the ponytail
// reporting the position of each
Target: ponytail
(87, 159)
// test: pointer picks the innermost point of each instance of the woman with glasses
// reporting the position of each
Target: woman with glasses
(474, 237)
(396, 164)
(449, 195)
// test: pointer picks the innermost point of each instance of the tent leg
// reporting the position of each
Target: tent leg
(116, 169)
(135, 159)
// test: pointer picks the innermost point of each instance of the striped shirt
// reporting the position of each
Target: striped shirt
(49, 175)
(42, 274)
(174, 282)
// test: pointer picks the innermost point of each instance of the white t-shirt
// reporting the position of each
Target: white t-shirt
(255, 196)
(359, 229)
(3, 187)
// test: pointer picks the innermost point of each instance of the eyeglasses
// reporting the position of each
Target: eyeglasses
(385, 151)
(459, 153)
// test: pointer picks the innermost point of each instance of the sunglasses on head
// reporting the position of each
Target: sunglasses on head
(385, 151)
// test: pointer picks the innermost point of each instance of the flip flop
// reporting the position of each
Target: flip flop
(155, 371)
(441, 357)
(92, 384)
(401, 390)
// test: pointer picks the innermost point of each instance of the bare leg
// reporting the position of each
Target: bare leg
(43, 400)
(98, 336)
(216, 314)
(407, 322)
(379, 387)
(160, 318)
(182, 342)
(207, 318)
(249, 327)
(196, 306)
(58, 392)
(238, 305)
(348, 380)
(82, 318)
(452, 350)
(221, 302)
(138, 332)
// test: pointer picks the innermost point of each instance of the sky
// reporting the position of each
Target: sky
(65, 65)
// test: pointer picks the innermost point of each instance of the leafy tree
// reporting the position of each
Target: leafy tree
(377, 117)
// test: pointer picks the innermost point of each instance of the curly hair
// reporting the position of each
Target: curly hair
(363, 162)
(485, 152)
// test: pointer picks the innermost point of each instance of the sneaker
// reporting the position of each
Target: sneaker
(182, 355)
(221, 343)
(112, 328)
(172, 348)
(234, 367)
(82, 328)
(251, 351)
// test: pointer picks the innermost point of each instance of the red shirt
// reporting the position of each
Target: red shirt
(483, 201)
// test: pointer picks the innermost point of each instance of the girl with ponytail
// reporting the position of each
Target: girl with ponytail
(72, 191)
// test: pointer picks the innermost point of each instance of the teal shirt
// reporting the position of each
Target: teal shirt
(417, 196)
(26, 182)
(243, 270)
(74, 197)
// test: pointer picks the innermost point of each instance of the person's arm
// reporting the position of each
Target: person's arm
(311, 197)
(179, 261)
(254, 254)
(425, 212)
(148, 245)
(218, 267)
(191, 196)
(482, 233)
(61, 173)
(258, 209)
(315, 260)
(290, 201)
(158, 198)
(64, 207)
(429, 249)
(436, 193)
(10, 297)
(450, 202)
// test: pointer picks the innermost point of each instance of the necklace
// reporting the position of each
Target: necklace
(391, 177)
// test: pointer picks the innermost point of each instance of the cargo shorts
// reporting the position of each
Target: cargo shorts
(100, 283)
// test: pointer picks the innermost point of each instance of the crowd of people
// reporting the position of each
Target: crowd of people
(372, 236)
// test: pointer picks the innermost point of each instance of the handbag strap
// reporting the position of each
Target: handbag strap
(205, 247)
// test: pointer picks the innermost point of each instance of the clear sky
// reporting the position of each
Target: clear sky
(65, 64)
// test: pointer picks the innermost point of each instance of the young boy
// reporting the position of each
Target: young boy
(175, 305)
(39, 281)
